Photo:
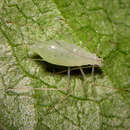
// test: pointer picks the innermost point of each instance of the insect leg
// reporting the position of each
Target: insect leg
(65, 97)
(68, 77)
(92, 75)
(84, 77)
(82, 72)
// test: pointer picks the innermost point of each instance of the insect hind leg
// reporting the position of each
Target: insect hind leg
(82, 72)
(68, 84)
(92, 73)
(84, 77)
(67, 94)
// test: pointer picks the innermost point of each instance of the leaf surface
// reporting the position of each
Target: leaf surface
(33, 93)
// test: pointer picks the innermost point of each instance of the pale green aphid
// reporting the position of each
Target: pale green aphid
(64, 54)
(61, 53)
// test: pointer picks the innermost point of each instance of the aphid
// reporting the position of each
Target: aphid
(65, 54)
(61, 53)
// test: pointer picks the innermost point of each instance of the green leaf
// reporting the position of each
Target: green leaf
(34, 95)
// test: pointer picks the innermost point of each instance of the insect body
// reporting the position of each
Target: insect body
(65, 54)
